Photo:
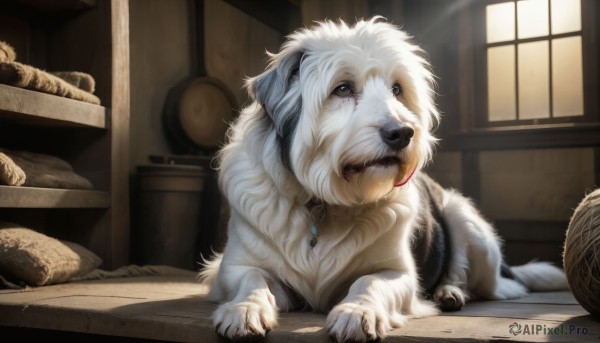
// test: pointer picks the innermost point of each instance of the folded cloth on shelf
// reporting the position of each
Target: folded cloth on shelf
(7, 53)
(78, 79)
(35, 259)
(25, 76)
(24, 168)
(69, 84)
(10, 173)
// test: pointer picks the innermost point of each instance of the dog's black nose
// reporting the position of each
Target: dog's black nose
(396, 136)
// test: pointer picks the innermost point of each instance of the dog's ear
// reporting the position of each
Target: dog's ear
(270, 88)
(278, 91)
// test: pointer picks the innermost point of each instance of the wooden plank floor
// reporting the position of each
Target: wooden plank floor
(174, 309)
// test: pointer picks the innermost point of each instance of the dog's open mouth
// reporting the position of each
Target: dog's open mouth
(351, 169)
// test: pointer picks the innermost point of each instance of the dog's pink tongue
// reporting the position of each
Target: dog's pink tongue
(405, 181)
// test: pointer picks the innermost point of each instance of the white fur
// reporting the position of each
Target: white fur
(361, 272)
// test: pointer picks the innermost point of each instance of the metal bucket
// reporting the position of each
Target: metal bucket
(169, 215)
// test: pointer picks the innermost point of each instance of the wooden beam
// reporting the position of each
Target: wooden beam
(120, 111)
(471, 175)
(281, 15)
(525, 137)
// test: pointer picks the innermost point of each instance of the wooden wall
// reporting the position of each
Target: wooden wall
(236, 46)
(160, 58)
(162, 55)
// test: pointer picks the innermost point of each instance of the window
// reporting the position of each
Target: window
(534, 62)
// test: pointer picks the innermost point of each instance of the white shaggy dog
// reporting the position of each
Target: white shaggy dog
(329, 208)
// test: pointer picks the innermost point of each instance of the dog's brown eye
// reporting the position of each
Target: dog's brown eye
(343, 90)
(396, 89)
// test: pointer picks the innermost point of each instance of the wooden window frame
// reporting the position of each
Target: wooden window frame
(475, 132)
(588, 115)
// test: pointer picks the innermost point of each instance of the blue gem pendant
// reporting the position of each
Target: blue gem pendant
(314, 230)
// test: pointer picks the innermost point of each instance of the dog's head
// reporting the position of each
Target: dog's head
(352, 108)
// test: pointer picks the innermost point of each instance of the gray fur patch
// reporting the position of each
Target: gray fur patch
(278, 91)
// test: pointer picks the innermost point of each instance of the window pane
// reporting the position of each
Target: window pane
(532, 18)
(566, 16)
(533, 80)
(501, 83)
(500, 22)
(567, 77)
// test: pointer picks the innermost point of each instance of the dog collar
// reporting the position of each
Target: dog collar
(314, 231)
(316, 209)
(402, 183)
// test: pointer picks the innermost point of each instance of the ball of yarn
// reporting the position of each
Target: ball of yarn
(581, 255)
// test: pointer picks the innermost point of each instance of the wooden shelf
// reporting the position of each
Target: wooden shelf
(35, 108)
(32, 197)
(80, 35)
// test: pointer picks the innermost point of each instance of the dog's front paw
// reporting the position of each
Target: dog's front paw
(449, 298)
(244, 320)
(351, 322)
